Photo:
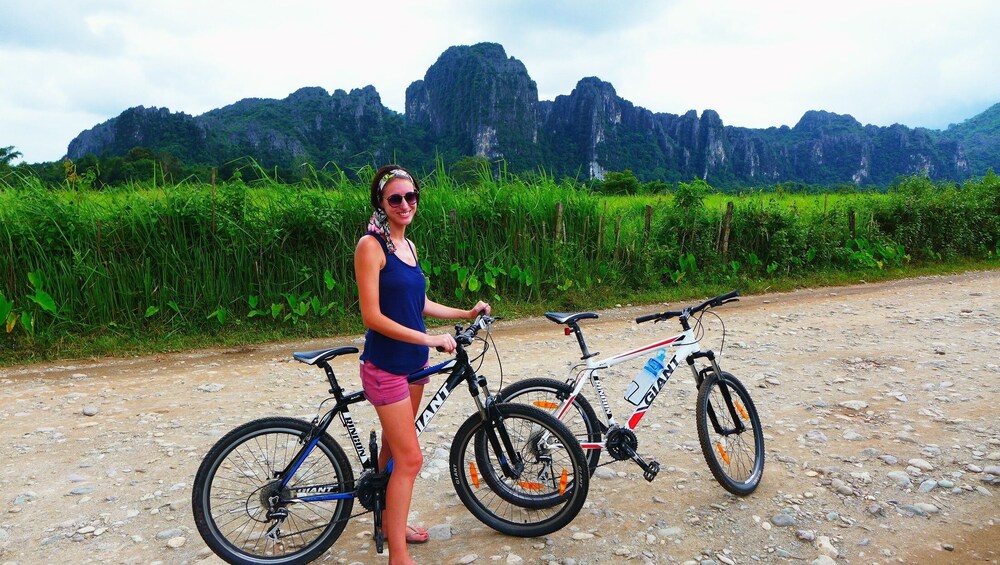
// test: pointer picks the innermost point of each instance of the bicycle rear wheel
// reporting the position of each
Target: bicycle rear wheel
(243, 515)
(551, 478)
(730, 434)
(548, 395)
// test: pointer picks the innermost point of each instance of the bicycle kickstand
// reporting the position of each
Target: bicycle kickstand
(378, 535)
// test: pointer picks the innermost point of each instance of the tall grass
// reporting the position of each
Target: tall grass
(194, 258)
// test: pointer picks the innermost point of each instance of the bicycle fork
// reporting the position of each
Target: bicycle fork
(737, 413)
(511, 462)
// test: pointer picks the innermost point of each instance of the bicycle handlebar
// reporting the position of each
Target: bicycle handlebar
(465, 336)
(710, 303)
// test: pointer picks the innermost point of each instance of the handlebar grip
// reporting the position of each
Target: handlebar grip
(646, 318)
(727, 296)
(718, 300)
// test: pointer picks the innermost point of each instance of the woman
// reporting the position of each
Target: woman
(392, 291)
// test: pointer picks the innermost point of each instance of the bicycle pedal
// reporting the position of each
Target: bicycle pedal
(652, 469)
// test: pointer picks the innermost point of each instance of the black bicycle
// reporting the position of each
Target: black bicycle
(281, 490)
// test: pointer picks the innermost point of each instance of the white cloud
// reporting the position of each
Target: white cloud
(70, 66)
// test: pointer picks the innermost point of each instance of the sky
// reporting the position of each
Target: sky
(66, 66)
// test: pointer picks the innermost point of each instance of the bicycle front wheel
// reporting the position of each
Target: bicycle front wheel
(730, 434)
(245, 516)
(548, 395)
(534, 485)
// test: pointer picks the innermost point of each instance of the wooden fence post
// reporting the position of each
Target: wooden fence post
(726, 225)
(649, 219)
(559, 236)
(600, 231)
(213, 199)
(618, 230)
(100, 257)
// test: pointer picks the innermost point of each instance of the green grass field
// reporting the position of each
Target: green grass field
(143, 268)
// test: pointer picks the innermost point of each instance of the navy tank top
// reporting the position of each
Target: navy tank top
(402, 290)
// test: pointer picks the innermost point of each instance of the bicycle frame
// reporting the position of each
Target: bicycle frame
(461, 370)
(683, 346)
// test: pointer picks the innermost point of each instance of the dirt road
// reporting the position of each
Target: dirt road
(879, 403)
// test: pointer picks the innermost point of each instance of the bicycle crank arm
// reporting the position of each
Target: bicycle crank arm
(649, 470)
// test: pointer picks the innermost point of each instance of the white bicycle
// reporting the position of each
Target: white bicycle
(729, 429)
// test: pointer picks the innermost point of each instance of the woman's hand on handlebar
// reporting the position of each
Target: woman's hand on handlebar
(442, 342)
(480, 308)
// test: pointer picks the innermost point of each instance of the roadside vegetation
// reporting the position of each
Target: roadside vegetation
(155, 265)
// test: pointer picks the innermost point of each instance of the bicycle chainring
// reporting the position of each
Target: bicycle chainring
(370, 488)
(621, 443)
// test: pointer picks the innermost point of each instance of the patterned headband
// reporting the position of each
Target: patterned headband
(393, 174)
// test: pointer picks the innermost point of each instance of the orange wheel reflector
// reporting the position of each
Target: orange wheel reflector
(547, 404)
(474, 475)
(563, 480)
(722, 452)
(742, 410)
(530, 486)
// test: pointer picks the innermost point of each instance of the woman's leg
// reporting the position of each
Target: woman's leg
(416, 392)
(400, 437)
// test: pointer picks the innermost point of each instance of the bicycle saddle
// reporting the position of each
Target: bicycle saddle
(313, 357)
(569, 318)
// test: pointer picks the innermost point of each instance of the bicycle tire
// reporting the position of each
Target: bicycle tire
(520, 511)
(738, 471)
(230, 488)
(548, 394)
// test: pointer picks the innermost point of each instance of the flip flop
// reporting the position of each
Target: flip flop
(416, 534)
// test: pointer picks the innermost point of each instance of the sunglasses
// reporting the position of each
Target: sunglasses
(396, 200)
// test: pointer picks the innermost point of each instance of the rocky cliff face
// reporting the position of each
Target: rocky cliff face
(177, 133)
(480, 102)
(475, 100)
(309, 125)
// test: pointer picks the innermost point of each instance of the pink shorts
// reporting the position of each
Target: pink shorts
(382, 387)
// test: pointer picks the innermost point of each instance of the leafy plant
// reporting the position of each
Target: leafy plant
(522, 276)
(28, 323)
(491, 274)
(253, 302)
(467, 280)
(219, 314)
(298, 306)
(39, 296)
(7, 315)
(687, 265)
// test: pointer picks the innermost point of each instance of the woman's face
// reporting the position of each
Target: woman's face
(399, 200)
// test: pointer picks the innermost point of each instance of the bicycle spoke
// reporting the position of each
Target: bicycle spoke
(248, 515)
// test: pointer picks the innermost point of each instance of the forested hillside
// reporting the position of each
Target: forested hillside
(475, 101)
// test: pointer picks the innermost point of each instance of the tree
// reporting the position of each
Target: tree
(471, 171)
(624, 182)
(690, 196)
(8, 154)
